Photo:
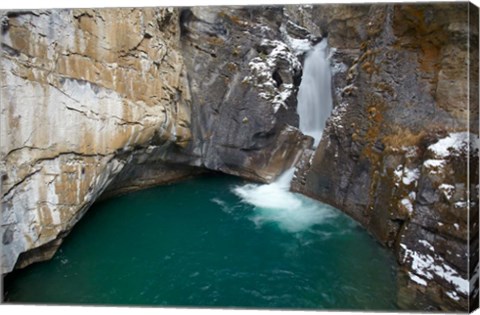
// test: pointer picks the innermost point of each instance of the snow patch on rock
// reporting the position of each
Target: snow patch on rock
(263, 68)
(299, 46)
(447, 190)
(410, 176)
(427, 245)
(433, 163)
(407, 204)
(454, 144)
(453, 295)
(406, 175)
(434, 266)
(417, 279)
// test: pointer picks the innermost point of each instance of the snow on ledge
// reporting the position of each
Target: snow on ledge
(453, 295)
(448, 190)
(454, 144)
(417, 279)
(433, 163)
(428, 267)
(262, 69)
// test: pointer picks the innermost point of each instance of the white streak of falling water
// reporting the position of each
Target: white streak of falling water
(315, 92)
(274, 202)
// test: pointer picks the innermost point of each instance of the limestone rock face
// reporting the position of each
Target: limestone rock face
(80, 90)
(394, 152)
(244, 70)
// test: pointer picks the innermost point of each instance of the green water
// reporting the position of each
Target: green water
(197, 244)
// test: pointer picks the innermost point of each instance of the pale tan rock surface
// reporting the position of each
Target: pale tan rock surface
(80, 89)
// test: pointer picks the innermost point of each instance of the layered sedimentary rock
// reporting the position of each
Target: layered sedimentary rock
(81, 90)
(395, 152)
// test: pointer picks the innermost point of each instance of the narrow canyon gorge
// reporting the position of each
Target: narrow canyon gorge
(96, 103)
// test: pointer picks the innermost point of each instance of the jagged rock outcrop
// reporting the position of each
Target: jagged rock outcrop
(81, 90)
(394, 154)
(244, 71)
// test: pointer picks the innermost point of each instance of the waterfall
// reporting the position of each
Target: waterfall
(274, 202)
(315, 93)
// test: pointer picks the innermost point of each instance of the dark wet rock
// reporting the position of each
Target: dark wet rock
(243, 81)
(141, 175)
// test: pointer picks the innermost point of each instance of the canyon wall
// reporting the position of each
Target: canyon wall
(395, 151)
(81, 91)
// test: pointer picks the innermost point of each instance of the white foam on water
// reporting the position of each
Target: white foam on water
(271, 196)
(274, 203)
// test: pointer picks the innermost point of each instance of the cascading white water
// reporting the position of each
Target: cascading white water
(274, 202)
(270, 196)
(315, 92)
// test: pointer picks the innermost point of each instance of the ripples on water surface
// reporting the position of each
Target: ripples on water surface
(198, 243)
